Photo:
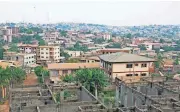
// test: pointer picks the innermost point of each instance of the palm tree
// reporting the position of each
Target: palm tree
(4, 80)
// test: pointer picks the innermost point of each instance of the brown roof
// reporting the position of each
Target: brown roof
(121, 57)
(27, 45)
(61, 66)
(168, 62)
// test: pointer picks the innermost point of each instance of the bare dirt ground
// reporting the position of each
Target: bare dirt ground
(31, 79)
(4, 107)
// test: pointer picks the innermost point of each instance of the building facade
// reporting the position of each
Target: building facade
(23, 58)
(126, 65)
(27, 48)
(51, 36)
(61, 69)
(46, 54)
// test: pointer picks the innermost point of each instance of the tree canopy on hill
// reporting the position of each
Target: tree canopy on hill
(28, 39)
(78, 47)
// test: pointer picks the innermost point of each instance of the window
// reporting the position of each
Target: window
(143, 74)
(129, 66)
(46, 52)
(128, 75)
(144, 65)
(42, 53)
(41, 48)
(65, 71)
(42, 56)
(135, 74)
(136, 64)
(46, 57)
(46, 48)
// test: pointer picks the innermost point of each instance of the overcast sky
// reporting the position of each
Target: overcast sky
(102, 12)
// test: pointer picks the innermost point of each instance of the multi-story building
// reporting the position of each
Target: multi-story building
(126, 65)
(51, 36)
(23, 58)
(151, 46)
(7, 35)
(47, 54)
(106, 36)
(115, 50)
(15, 30)
(27, 48)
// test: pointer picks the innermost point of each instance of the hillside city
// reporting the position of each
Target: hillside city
(80, 67)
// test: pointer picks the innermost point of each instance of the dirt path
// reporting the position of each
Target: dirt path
(31, 79)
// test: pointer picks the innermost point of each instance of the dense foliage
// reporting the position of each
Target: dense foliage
(78, 47)
(64, 54)
(30, 30)
(93, 79)
(11, 75)
(41, 73)
(28, 39)
(142, 47)
(114, 45)
(13, 48)
(98, 40)
(63, 33)
(72, 60)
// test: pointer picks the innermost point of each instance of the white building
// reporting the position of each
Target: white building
(73, 53)
(23, 58)
(48, 54)
(106, 36)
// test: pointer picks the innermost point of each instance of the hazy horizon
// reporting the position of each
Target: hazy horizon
(115, 13)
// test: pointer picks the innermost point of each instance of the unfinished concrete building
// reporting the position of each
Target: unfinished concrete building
(149, 94)
(44, 99)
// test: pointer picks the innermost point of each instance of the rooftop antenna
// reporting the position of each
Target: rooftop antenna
(48, 17)
(35, 14)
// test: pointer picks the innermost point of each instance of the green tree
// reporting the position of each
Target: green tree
(92, 78)
(98, 40)
(41, 73)
(1, 52)
(13, 48)
(68, 78)
(78, 47)
(159, 61)
(4, 79)
(128, 36)
(114, 45)
(142, 47)
(155, 74)
(161, 40)
(64, 54)
(42, 42)
(13, 75)
(63, 33)
(176, 62)
(72, 61)
(17, 74)
(168, 48)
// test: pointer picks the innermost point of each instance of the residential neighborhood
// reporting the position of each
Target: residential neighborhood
(106, 59)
